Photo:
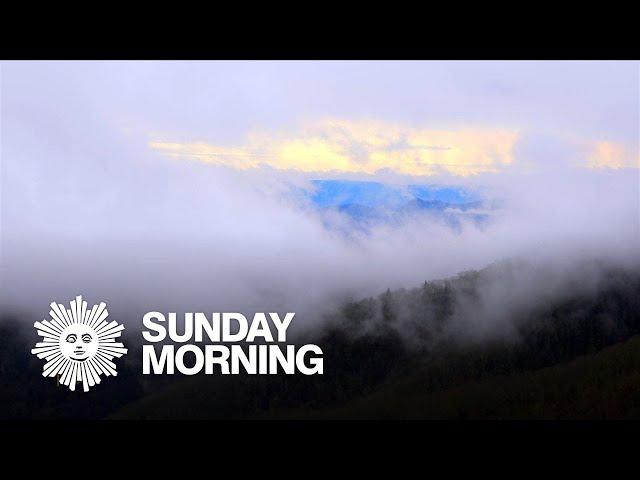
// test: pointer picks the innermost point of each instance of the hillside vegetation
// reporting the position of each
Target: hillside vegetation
(509, 341)
(568, 350)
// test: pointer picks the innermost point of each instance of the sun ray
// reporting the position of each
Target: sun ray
(103, 366)
(67, 372)
(100, 315)
(48, 327)
(57, 314)
(93, 372)
(84, 311)
(90, 315)
(53, 366)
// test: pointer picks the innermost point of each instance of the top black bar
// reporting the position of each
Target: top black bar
(322, 33)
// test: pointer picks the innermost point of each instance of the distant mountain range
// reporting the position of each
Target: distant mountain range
(370, 203)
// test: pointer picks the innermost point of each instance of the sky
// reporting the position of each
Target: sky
(168, 184)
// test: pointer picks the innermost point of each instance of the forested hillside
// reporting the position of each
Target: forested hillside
(508, 341)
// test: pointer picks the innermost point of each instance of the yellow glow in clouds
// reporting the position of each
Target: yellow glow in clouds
(611, 155)
(361, 147)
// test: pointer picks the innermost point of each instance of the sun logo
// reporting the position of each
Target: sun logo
(78, 345)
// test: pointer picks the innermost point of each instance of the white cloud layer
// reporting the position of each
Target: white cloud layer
(88, 208)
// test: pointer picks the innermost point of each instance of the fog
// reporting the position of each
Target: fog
(88, 208)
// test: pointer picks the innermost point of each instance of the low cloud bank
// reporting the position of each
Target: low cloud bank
(87, 207)
(176, 236)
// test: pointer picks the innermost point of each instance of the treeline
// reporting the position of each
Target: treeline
(436, 321)
(417, 341)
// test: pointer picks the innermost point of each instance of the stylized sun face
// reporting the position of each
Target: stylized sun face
(78, 344)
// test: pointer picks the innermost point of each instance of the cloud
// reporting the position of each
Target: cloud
(369, 147)
(606, 154)
(349, 146)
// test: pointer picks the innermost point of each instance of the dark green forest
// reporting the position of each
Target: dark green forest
(508, 341)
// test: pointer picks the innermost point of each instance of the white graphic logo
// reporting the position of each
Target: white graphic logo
(78, 345)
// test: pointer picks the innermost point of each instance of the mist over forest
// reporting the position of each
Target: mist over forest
(393, 355)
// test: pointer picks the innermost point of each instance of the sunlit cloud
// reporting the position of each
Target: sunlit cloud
(346, 146)
(606, 154)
